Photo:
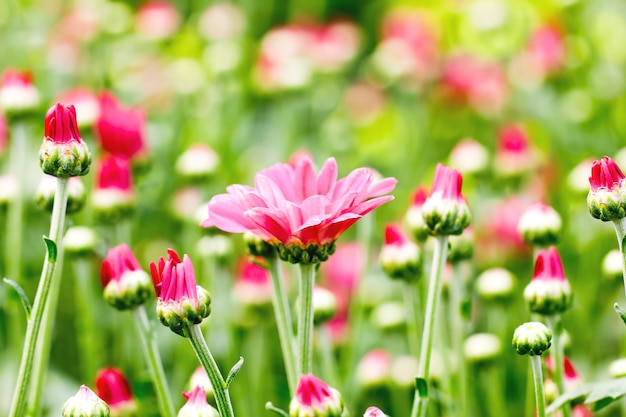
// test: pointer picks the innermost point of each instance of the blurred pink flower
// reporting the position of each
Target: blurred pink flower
(114, 173)
(197, 404)
(374, 368)
(515, 153)
(157, 19)
(253, 286)
(119, 260)
(114, 389)
(546, 47)
(373, 412)
(480, 84)
(17, 91)
(121, 129)
(294, 206)
(86, 103)
(315, 398)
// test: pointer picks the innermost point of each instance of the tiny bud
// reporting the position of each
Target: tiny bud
(549, 291)
(612, 265)
(496, 284)
(324, 305)
(469, 157)
(617, 368)
(63, 153)
(113, 198)
(374, 369)
(113, 387)
(126, 285)
(540, 225)
(9, 189)
(400, 258)
(374, 412)
(196, 405)
(482, 348)
(445, 211)
(532, 338)
(314, 398)
(197, 163)
(46, 190)
(80, 241)
(200, 378)
(85, 404)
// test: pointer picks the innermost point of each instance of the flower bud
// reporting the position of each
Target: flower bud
(113, 387)
(113, 198)
(413, 219)
(46, 190)
(482, 348)
(180, 302)
(197, 163)
(18, 95)
(532, 338)
(374, 369)
(374, 412)
(315, 399)
(540, 225)
(607, 197)
(85, 404)
(196, 405)
(125, 284)
(63, 153)
(121, 129)
(469, 157)
(257, 246)
(400, 258)
(461, 247)
(200, 378)
(389, 315)
(495, 284)
(9, 189)
(324, 305)
(80, 241)
(549, 291)
(445, 210)
(253, 287)
(612, 265)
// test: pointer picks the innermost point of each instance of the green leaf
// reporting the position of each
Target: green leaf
(269, 406)
(598, 394)
(621, 312)
(52, 249)
(233, 372)
(20, 291)
(421, 386)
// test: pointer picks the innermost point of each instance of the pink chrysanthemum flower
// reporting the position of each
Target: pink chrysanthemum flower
(121, 129)
(315, 398)
(374, 412)
(607, 197)
(298, 211)
(196, 405)
(549, 291)
(113, 387)
(63, 153)
(400, 257)
(126, 285)
(445, 211)
(180, 302)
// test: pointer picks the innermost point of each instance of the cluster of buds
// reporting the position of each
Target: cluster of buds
(549, 291)
(445, 210)
(180, 302)
(540, 225)
(400, 258)
(126, 285)
(315, 398)
(63, 153)
(607, 197)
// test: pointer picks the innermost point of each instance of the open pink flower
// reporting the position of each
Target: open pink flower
(120, 129)
(294, 206)
(113, 387)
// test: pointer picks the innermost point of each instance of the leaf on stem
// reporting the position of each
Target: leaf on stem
(233, 372)
(51, 247)
(20, 291)
(421, 386)
(269, 406)
(598, 394)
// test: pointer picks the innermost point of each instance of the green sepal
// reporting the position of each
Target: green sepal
(233, 372)
(20, 291)
(52, 249)
(421, 386)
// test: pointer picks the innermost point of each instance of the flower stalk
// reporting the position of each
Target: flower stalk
(540, 398)
(305, 319)
(556, 327)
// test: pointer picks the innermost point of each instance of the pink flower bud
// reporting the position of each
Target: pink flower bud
(445, 211)
(113, 198)
(85, 404)
(18, 95)
(549, 291)
(196, 405)
(126, 285)
(374, 412)
(607, 197)
(315, 398)
(121, 129)
(113, 387)
(400, 257)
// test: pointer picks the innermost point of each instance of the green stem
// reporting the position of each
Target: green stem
(456, 291)
(411, 303)
(29, 356)
(210, 366)
(284, 323)
(155, 365)
(420, 400)
(620, 231)
(540, 398)
(327, 357)
(556, 327)
(88, 339)
(305, 319)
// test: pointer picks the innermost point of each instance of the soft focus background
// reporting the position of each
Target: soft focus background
(519, 96)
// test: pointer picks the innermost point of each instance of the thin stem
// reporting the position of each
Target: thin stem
(556, 327)
(411, 303)
(305, 319)
(88, 339)
(540, 398)
(30, 353)
(420, 400)
(327, 356)
(456, 292)
(203, 353)
(620, 231)
(155, 365)
(284, 323)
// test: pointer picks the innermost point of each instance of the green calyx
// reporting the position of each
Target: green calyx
(181, 314)
(607, 205)
(446, 217)
(64, 160)
(548, 297)
(313, 253)
(133, 289)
